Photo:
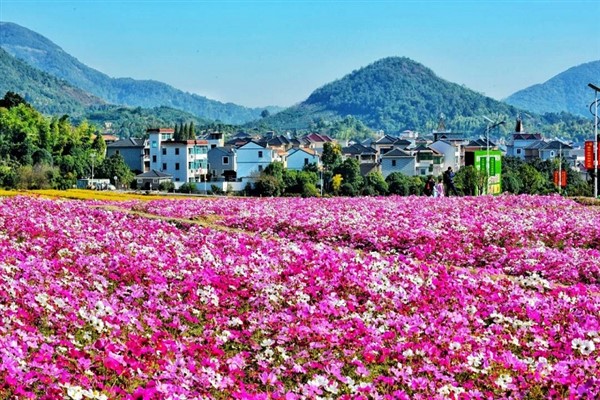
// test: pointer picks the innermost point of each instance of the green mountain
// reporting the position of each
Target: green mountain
(45, 92)
(38, 51)
(53, 96)
(567, 91)
(396, 93)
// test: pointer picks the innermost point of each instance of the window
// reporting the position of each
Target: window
(190, 151)
(176, 166)
(225, 160)
(154, 158)
(212, 146)
(492, 166)
(306, 161)
(260, 154)
(552, 153)
(164, 166)
(117, 152)
(190, 165)
(393, 163)
(176, 151)
(154, 145)
(164, 151)
(482, 164)
(260, 168)
(518, 151)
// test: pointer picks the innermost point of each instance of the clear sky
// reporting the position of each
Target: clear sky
(258, 53)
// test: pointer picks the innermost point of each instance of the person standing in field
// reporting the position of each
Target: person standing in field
(429, 187)
(438, 189)
(449, 182)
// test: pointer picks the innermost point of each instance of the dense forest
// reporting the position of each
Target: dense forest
(38, 152)
(395, 94)
(41, 53)
(567, 91)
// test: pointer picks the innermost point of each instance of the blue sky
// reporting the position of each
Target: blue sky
(258, 53)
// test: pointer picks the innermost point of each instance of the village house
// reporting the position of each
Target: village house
(185, 160)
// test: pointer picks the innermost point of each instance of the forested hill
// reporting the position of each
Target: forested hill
(395, 94)
(38, 51)
(567, 91)
(45, 92)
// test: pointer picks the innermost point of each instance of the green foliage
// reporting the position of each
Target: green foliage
(115, 166)
(375, 184)
(349, 169)
(566, 92)
(188, 188)
(167, 186)
(537, 177)
(268, 185)
(43, 91)
(39, 176)
(332, 155)
(470, 181)
(399, 184)
(44, 55)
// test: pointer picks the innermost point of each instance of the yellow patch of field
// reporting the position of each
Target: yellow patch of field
(84, 194)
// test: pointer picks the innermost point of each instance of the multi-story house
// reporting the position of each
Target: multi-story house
(397, 160)
(299, 158)
(521, 141)
(387, 143)
(428, 161)
(363, 154)
(316, 141)
(253, 158)
(222, 164)
(135, 152)
(185, 160)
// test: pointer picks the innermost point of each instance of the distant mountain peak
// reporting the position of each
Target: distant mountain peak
(43, 54)
(565, 92)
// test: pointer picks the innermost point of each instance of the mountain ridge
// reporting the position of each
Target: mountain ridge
(41, 53)
(566, 91)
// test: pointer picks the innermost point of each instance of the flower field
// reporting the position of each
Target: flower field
(415, 298)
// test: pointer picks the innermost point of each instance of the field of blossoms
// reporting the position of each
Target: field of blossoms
(414, 298)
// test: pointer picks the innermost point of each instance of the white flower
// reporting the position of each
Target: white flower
(75, 392)
(504, 380)
(408, 353)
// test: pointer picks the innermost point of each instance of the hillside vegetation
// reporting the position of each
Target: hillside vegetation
(38, 51)
(566, 92)
(396, 93)
(45, 92)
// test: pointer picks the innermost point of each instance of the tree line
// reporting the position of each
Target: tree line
(342, 177)
(38, 152)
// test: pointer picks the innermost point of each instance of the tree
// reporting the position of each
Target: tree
(332, 155)
(336, 183)
(191, 133)
(374, 184)
(349, 169)
(398, 183)
(99, 145)
(265, 114)
(115, 166)
(177, 133)
(12, 99)
(268, 185)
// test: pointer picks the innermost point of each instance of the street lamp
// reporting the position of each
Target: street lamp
(596, 89)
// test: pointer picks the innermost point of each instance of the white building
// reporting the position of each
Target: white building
(253, 158)
(298, 158)
(185, 160)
